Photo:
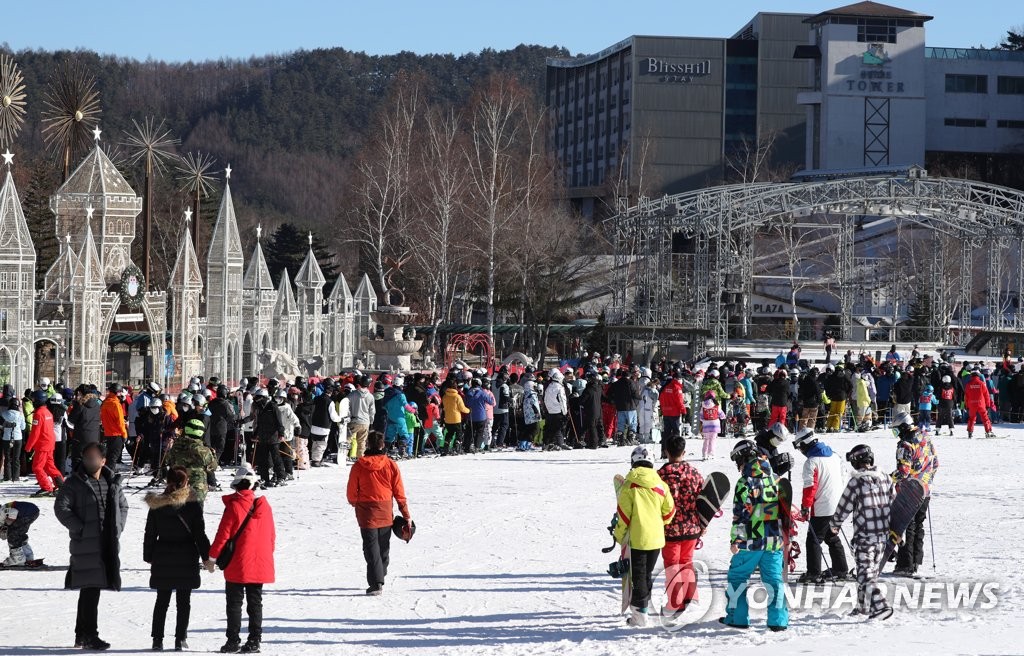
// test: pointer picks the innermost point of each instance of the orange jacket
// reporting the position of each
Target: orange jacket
(374, 485)
(112, 417)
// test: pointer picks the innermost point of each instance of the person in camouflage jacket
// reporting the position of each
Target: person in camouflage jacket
(197, 458)
(756, 539)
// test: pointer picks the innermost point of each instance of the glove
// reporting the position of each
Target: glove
(805, 513)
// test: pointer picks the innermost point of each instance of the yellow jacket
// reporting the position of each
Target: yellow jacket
(454, 406)
(645, 507)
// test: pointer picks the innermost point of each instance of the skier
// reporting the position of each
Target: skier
(824, 482)
(374, 487)
(174, 544)
(42, 442)
(778, 390)
(557, 407)
(189, 452)
(13, 432)
(868, 496)
(645, 506)
(925, 403)
(454, 410)
(249, 521)
(684, 531)
(978, 401)
(15, 519)
(361, 411)
(115, 426)
(673, 405)
(947, 401)
(711, 416)
(915, 458)
(756, 539)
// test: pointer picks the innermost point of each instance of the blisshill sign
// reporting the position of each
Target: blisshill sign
(667, 71)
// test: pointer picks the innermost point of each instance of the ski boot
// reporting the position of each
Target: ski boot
(16, 559)
(637, 617)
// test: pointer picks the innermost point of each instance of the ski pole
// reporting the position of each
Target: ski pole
(931, 536)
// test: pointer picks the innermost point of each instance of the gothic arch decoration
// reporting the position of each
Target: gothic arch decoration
(658, 293)
(157, 334)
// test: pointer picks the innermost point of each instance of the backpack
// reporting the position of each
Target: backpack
(710, 414)
(948, 394)
(763, 402)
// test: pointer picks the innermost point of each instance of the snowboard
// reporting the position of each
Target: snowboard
(712, 495)
(36, 563)
(906, 504)
(627, 579)
(786, 527)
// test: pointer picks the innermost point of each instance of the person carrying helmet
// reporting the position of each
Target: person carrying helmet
(645, 507)
(756, 539)
(824, 482)
(868, 496)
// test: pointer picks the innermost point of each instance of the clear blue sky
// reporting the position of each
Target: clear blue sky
(183, 30)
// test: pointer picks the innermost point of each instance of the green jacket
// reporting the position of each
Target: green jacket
(196, 458)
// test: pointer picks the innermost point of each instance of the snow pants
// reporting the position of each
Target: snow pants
(44, 469)
(741, 567)
(869, 597)
(778, 415)
(973, 411)
(377, 552)
(641, 567)
(818, 532)
(835, 415)
(680, 577)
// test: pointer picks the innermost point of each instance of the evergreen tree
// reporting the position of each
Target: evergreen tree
(286, 249)
(36, 204)
(1014, 39)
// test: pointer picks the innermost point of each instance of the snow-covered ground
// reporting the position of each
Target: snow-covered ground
(507, 559)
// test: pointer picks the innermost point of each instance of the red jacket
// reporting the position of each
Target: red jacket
(433, 415)
(673, 404)
(253, 561)
(976, 393)
(374, 485)
(41, 437)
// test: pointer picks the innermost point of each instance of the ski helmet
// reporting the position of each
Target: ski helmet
(640, 454)
(713, 373)
(903, 419)
(243, 474)
(780, 434)
(861, 456)
(805, 438)
(402, 528)
(743, 451)
(947, 379)
(781, 463)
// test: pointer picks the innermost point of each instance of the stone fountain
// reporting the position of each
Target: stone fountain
(394, 351)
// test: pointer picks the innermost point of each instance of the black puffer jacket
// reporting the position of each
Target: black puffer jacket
(95, 529)
(838, 387)
(85, 418)
(175, 541)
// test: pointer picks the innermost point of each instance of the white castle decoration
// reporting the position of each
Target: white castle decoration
(94, 321)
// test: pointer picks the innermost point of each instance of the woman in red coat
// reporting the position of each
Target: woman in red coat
(374, 486)
(252, 564)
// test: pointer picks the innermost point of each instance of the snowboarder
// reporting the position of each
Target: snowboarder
(645, 506)
(824, 482)
(756, 539)
(915, 458)
(174, 544)
(249, 521)
(868, 495)
(684, 531)
(92, 506)
(15, 519)
(374, 486)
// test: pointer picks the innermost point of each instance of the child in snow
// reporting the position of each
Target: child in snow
(924, 409)
(432, 436)
(947, 401)
(412, 420)
(738, 411)
(684, 531)
(15, 518)
(711, 416)
(868, 495)
(644, 508)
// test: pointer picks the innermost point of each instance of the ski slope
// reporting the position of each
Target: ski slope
(507, 560)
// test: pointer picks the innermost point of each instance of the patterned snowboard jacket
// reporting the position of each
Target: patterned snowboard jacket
(755, 509)
(196, 458)
(685, 484)
(868, 495)
(916, 458)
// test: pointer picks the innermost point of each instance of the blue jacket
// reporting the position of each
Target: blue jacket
(394, 406)
(477, 401)
(883, 388)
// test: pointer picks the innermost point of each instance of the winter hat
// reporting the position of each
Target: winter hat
(243, 474)
(640, 456)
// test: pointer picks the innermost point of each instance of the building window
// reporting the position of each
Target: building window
(874, 30)
(1010, 85)
(965, 122)
(1010, 123)
(966, 83)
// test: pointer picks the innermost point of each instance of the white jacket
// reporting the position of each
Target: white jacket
(825, 479)
(554, 399)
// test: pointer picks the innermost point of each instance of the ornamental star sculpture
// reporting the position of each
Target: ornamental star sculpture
(96, 132)
(8, 157)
